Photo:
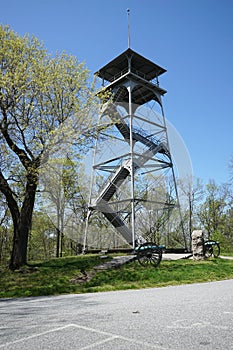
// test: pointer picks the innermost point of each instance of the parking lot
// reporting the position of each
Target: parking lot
(181, 317)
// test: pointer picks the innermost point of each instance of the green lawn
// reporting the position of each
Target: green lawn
(59, 276)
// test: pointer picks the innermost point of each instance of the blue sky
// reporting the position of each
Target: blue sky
(193, 40)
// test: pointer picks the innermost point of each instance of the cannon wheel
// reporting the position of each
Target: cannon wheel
(149, 254)
(211, 248)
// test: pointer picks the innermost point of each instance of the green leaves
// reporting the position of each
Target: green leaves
(38, 92)
(46, 107)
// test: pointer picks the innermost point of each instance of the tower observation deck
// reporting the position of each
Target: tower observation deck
(130, 66)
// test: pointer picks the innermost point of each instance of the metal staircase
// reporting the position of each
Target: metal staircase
(101, 203)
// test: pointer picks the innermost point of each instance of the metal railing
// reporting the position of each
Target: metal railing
(136, 72)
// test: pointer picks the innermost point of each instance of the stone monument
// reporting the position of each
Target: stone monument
(198, 245)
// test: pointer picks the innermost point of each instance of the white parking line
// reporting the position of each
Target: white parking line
(115, 336)
(98, 343)
(34, 336)
(110, 337)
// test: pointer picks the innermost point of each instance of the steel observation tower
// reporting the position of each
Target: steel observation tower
(133, 187)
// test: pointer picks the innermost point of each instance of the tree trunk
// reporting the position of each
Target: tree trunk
(58, 242)
(22, 227)
(19, 251)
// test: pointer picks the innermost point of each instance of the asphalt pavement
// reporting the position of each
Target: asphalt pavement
(197, 316)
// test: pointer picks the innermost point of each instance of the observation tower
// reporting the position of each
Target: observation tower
(133, 188)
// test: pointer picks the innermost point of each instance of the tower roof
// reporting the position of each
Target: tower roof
(139, 63)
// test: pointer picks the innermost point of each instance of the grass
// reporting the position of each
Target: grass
(64, 276)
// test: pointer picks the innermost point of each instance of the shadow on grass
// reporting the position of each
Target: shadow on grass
(64, 276)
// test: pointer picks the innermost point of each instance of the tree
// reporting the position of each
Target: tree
(38, 93)
(5, 230)
(41, 243)
(212, 213)
(226, 235)
(192, 193)
(64, 198)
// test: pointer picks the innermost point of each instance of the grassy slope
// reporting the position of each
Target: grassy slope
(64, 275)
